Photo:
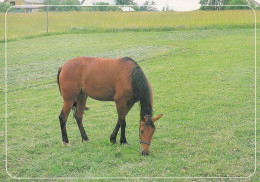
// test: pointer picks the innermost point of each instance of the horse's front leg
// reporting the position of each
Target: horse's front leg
(120, 123)
(123, 126)
(123, 108)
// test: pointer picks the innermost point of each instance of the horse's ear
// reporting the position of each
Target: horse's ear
(157, 118)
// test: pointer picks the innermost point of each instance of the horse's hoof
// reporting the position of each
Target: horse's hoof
(113, 141)
(124, 143)
(85, 140)
(66, 144)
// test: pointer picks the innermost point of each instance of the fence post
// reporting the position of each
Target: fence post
(47, 18)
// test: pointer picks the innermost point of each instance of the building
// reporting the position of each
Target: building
(32, 6)
(125, 8)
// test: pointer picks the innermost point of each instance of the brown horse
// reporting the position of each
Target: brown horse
(120, 80)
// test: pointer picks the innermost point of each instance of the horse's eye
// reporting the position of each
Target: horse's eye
(142, 131)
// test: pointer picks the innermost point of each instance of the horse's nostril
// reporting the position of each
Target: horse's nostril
(145, 152)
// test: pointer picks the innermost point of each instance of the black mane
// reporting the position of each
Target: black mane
(128, 59)
(141, 90)
(150, 122)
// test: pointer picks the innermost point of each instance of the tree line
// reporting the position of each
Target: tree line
(148, 5)
(218, 4)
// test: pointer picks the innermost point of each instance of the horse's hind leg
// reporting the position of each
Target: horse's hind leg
(114, 134)
(67, 105)
(81, 102)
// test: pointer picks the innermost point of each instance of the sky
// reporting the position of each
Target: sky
(177, 5)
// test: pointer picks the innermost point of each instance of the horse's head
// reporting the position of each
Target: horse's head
(146, 131)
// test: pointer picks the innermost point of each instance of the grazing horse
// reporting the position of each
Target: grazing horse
(120, 80)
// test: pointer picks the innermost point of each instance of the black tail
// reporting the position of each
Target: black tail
(141, 91)
(58, 78)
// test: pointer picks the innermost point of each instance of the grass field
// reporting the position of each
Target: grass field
(86, 22)
(202, 80)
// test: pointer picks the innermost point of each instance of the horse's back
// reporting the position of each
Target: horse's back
(99, 78)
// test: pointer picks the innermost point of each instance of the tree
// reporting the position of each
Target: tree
(4, 6)
(125, 2)
(148, 6)
(216, 4)
(103, 8)
(252, 4)
(238, 2)
(63, 2)
(167, 8)
(212, 4)
(128, 2)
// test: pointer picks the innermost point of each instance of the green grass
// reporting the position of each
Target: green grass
(202, 80)
(200, 65)
(84, 22)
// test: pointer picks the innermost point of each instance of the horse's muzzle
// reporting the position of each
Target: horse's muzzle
(145, 152)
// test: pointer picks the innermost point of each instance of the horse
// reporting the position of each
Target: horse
(120, 80)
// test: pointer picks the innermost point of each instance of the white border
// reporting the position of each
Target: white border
(97, 178)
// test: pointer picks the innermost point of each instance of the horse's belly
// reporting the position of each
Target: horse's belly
(99, 91)
(101, 96)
